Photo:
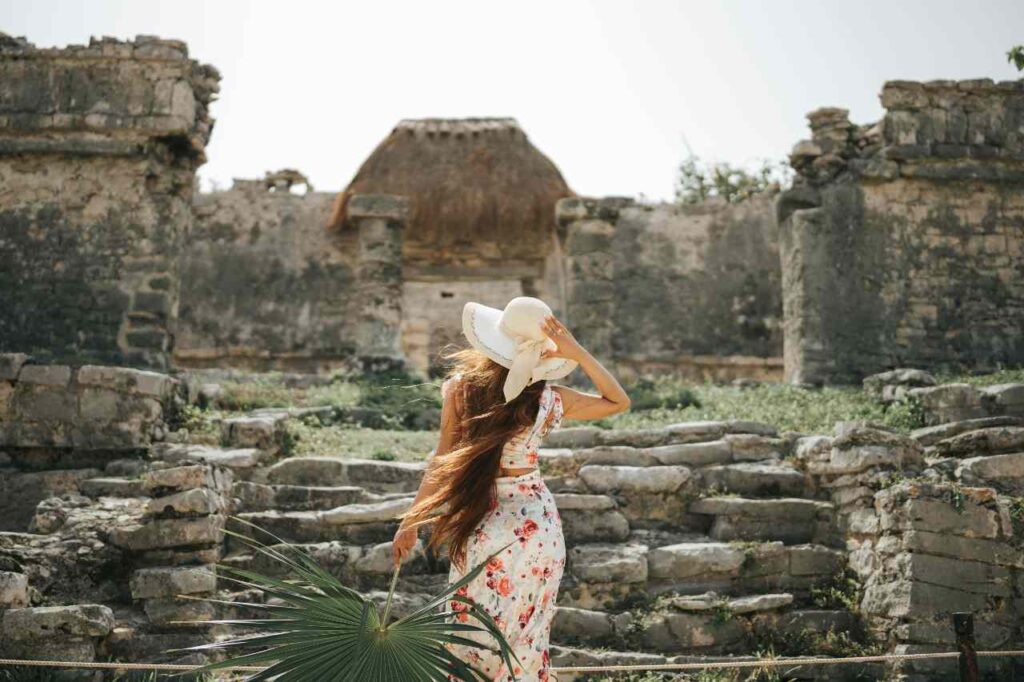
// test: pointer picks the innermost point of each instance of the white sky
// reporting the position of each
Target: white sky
(608, 90)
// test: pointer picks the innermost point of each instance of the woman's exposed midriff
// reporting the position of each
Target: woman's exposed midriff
(510, 473)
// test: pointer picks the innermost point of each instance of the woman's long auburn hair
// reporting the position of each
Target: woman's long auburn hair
(464, 476)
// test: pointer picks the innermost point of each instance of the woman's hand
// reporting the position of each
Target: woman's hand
(405, 539)
(567, 345)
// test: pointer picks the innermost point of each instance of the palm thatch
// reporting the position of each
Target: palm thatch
(477, 188)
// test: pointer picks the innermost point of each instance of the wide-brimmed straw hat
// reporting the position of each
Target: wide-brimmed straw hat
(514, 338)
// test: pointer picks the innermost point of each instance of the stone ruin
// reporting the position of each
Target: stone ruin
(897, 247)
(903, 242)
(691, 542)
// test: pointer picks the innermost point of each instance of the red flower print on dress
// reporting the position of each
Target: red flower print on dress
(504, 586)
(525, 616)
(495, 565)
(528, 528)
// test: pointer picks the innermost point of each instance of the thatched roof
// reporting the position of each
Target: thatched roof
(470, 182)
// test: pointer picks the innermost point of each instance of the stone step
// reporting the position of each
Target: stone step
(987, 441)
(373, 475)
(579, 437)
(606, 575)
(113, 486)
(1004, 472)
(244, 463)
(254, 497)
(566, 656)
(930, 435)
(357, 523)
(790, 520)
(755, 479)
(699, 625)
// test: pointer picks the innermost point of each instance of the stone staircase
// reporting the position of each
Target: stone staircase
(694, 540)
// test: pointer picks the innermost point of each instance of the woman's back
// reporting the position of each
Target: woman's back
(520, 451)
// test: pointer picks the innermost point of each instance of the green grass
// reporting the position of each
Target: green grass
(360, 443)
(1005, 376)
(788, 408)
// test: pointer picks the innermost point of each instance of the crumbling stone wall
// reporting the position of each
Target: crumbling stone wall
(98, 151)
(263, 284)
(903, 242)
(691, 289)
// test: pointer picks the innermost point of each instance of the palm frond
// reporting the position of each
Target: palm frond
(319, 630)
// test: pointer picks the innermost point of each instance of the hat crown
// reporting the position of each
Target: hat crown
(523, 316)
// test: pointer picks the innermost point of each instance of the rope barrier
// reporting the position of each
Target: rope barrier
(667, 667)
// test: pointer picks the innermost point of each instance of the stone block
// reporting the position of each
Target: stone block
(617, 455)
(987, 441)
(580, 502)
(915, 599)
(13, 590)
(165, 533)
(1003, 472)
(40, 622)
(581, 624)
(128, 380)
(387, 510)
(171, 612)
(950, 403)
(632, 479)
(572, 437)
(186, 477)
(929, 435)
(755, 479)
(688, 560)
(677, 632)
(748, 447)
(11, 364)
(151, 583)
(58, 376)
(693, 454)
(193, 502)
(606, 563)
(594, 526)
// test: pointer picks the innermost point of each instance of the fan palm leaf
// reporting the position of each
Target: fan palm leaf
(316, 629)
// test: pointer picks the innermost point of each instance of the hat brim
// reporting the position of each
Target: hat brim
(480, 326)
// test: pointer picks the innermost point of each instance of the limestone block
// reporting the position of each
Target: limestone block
(814, 560)
(387, 510)
(87, 620)
(940, 516)
(756, 479)
(308, 471)
(760, 602)
(572, 437)
(557, 461)
(239, 460)
(261, 432)
(127, 380)
(693, 454)
(45, 375)
(1006, 398)
(1003, 472)
(632, 479)
(606, 563)
(164, 533)
(675, 632)
(929, 435)
(892, 385)
(377, 560)
(747, 447)
(964, 548)
(617, 455)
(168, 611)
(150, 583)
(950, 403)
(194, 502)
(13, 590)
(581, 624)
(594, 526)
(987, 441)
(185, 477)
(694, 432)
(580, 502)
(915, 599)
(112, 486)
(689, 560)
(11, 364)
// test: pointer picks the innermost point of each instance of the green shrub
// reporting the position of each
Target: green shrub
(650, 394)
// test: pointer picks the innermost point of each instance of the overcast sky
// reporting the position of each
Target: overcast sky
(611, 91)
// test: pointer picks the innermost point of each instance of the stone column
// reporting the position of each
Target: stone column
(379, 220)
(589, 225)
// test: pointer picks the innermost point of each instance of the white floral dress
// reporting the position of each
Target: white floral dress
(519, 587)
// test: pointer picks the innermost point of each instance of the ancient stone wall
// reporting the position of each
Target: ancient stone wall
(688, 289)
(903, 242)
(264, 285)
(98, 151)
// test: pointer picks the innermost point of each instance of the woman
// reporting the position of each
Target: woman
(483, 490)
